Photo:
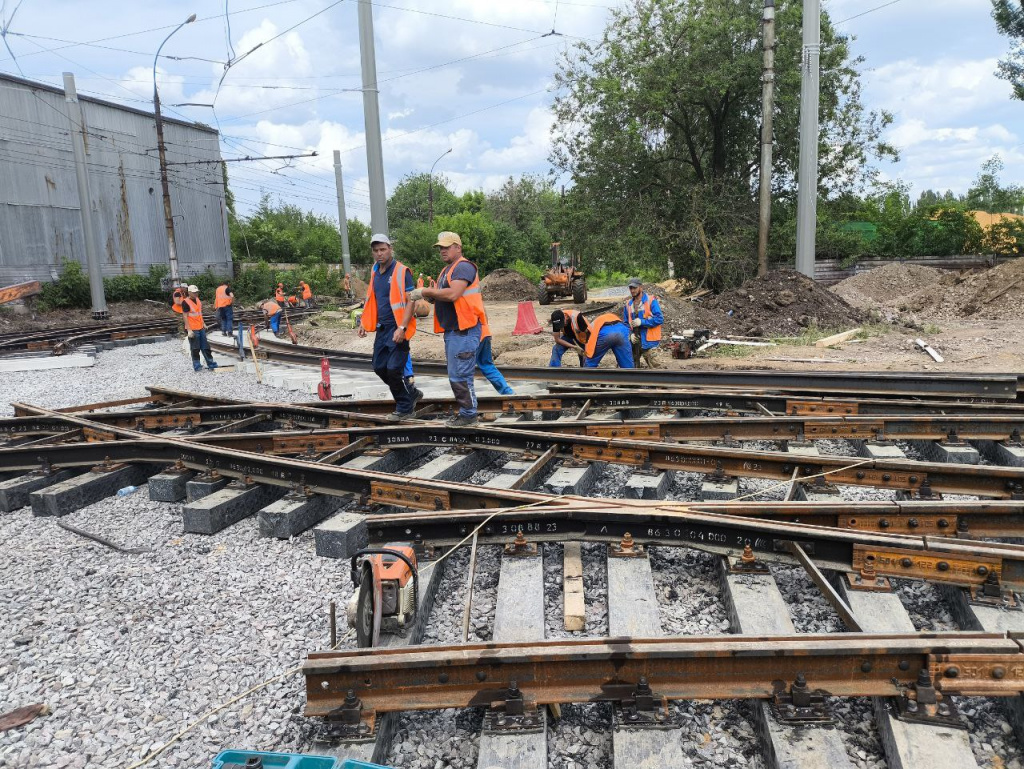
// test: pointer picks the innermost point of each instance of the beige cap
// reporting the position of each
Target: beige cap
(446, 239)
(193, 289)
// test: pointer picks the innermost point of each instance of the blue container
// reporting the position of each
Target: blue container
(240, 758)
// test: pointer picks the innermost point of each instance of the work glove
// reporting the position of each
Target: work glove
(416, 294)
(191, 334)
(636, 322)
(634, 339)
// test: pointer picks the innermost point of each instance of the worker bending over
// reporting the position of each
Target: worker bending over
(606, 332)
(192, 309)
(271, 314)
(642, 314)
(564, 333)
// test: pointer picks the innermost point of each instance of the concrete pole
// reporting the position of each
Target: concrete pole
(767, 105)
(99, 300)
(371, 119)
(807, 184)
(346, 259)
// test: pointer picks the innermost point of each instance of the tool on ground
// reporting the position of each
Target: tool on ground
(388, 584)
(288, 324)
(323, 389)
(923, 345)
(695, 340)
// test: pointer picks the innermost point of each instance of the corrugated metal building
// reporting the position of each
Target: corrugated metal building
(40, 225)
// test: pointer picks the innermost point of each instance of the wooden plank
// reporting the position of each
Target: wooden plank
(518, 616)
(633, 611)
(756, 606)
(837, 338)
(19, 291)
(573, 605)
(907, 745)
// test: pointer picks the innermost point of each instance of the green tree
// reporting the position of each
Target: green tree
(659, 125)
(1009, 18)
(410, 200)
(986, 194)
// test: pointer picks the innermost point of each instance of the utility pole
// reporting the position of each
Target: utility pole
(346, 259)
(99, 300)
(807, 184)
(172, 251)
(767, 105)
(371, 119)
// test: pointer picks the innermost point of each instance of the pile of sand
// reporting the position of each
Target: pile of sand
(503, 285)
(993, 294)
(885, 285)
(676, 287)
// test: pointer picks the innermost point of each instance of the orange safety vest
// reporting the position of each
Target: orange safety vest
(469, 308)
(279, 295)
(178, 297)
(653, 332)
(347, 284)
(397, 298)
(222, 299)
(419, 283)
(194, 316)
(307, 293)
(271, 308)
(588, 337)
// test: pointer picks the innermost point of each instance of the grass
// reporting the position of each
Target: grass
(731, 351)
(813, 334)
(930, 329)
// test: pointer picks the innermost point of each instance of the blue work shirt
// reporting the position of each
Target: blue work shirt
(382, 292)
(655, 318)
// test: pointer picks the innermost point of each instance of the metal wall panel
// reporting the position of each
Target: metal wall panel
(39, 219)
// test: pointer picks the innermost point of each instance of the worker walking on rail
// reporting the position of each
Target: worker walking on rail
(223, 302)
(388, 311)
(459, 313)
(196, 329)
(642, 314)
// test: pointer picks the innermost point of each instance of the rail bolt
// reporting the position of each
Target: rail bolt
(904, 665)
(951, 672)
(748, 554)
(866, 667)
(860, 475)
(942, 566)
(443, 678)
(998, 673)
(884, 523)
(913, 523)
(982, 570)
(906, 563)
(942, 523)
(886, 477)
(481, 676)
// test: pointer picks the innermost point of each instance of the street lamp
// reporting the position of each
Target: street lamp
(430, 184)
(162, 151)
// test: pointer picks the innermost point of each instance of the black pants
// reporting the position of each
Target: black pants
(389, 364)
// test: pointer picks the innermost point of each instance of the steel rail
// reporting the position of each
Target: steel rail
(610, 670)
(907, 475)
(665, 400)
(988, 386)
(948, 561)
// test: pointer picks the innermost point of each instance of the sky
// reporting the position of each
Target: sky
(475, 76)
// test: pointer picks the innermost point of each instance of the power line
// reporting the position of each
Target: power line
(869, 10)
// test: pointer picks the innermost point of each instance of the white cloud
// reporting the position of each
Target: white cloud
(945, 87)
(529, 149)
(139, 80)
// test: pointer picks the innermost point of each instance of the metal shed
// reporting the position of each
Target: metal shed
(40, 225)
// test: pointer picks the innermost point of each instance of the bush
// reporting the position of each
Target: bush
(68, 291)
(530, 271)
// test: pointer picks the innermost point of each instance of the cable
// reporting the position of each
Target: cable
(870, 10)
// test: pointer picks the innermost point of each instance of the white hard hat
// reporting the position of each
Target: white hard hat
(193, 289)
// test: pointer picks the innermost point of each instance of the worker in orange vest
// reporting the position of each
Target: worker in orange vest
(177, 297)
(346, 284)
(306, 293)
(459, 313)
(388, 311)
(223, 303)
(192, 309)
(642, 314)
(419, 281)
(563, 323)
(271, 314)
(606, 332)
(279, 296)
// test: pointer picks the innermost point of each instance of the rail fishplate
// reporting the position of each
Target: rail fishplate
(943, 525)
(798, 408)
(647, 433)
(913, 564)
(416, 497)
(619, 456)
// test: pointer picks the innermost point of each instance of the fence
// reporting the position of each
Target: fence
(829, 271)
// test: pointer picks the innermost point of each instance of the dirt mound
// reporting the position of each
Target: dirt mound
(358, 287)
(504, 285)
(887, 284)
(677, 287)
(994, 294)
(783, 303)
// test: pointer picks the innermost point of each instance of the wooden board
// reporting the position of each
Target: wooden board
(19, 291)
(837, 338)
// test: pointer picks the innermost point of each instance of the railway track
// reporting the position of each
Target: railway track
(536, 472)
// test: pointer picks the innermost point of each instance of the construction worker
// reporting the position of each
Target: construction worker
(223, 303)
(306, 293)
(192, 309)
(606, 332)
(419, 281)
(388, 311)
(346, 284)
(459, 313)
(279, 296)
(485, 362)
(642, 314)
(272, 314)
(178, 296)
(564, 336)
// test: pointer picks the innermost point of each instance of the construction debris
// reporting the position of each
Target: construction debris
(843, 336)
(923, 345)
